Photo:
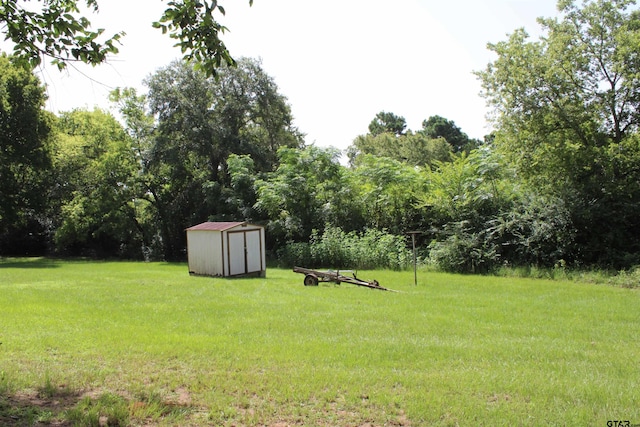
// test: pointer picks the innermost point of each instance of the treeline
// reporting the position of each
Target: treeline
(195, 148)
(557, 183)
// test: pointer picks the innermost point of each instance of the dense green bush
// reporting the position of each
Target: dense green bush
(464, 250)
(627, 279)
(534, 232)
(336, 249)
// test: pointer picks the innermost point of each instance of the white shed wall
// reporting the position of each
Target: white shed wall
(204, 249)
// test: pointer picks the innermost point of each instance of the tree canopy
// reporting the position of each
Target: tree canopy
(439, 127)
(25, 149)
(386, 122)
(389, 137)
(59, 30)
(186, 128)
(567, 113)
(96, 174)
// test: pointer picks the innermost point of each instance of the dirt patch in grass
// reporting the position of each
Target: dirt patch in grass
(182, 397)
(26, 408)
(62, 407)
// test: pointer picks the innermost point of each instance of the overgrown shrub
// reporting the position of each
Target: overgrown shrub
(336, 249)
(532, 232)
(627, 279)
(464, 250)
(536, 231)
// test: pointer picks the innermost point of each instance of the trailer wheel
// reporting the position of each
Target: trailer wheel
(310, 280)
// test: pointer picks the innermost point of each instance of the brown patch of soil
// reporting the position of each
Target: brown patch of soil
(30, 407)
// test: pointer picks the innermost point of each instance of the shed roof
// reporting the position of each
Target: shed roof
(215, 226)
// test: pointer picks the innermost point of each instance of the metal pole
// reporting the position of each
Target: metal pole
(415, 263)
(415, 271)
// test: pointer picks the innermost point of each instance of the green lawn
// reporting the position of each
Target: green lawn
(146, 344)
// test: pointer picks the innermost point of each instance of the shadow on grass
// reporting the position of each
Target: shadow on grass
(36, 408)
(38, 262)
(59, 406)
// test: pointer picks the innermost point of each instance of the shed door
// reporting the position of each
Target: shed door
(244, 252)
(254, 253)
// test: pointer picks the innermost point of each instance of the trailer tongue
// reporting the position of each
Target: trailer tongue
(313, 277)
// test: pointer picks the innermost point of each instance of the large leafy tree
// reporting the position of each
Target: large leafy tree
(387, 191)
(96, 173)
(386, 122)
(25, 153)
(439, 127)
(567, 113)
(463, 196)
(416, 149)
(57, 29)
(572, 91)
(302, 194)
(241, 112)
(187, 127)
(389, 137)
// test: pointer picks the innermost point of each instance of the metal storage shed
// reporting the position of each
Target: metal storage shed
(226, 249)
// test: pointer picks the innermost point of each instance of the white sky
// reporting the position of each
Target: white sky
(339, 62)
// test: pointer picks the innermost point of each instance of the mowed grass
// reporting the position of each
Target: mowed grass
(163, 348)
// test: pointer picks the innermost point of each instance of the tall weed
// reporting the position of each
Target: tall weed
(109, 409)
(626, 279)
(334, 248)
(4, 383)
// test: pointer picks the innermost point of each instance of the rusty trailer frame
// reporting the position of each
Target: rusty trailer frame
(313, 277)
